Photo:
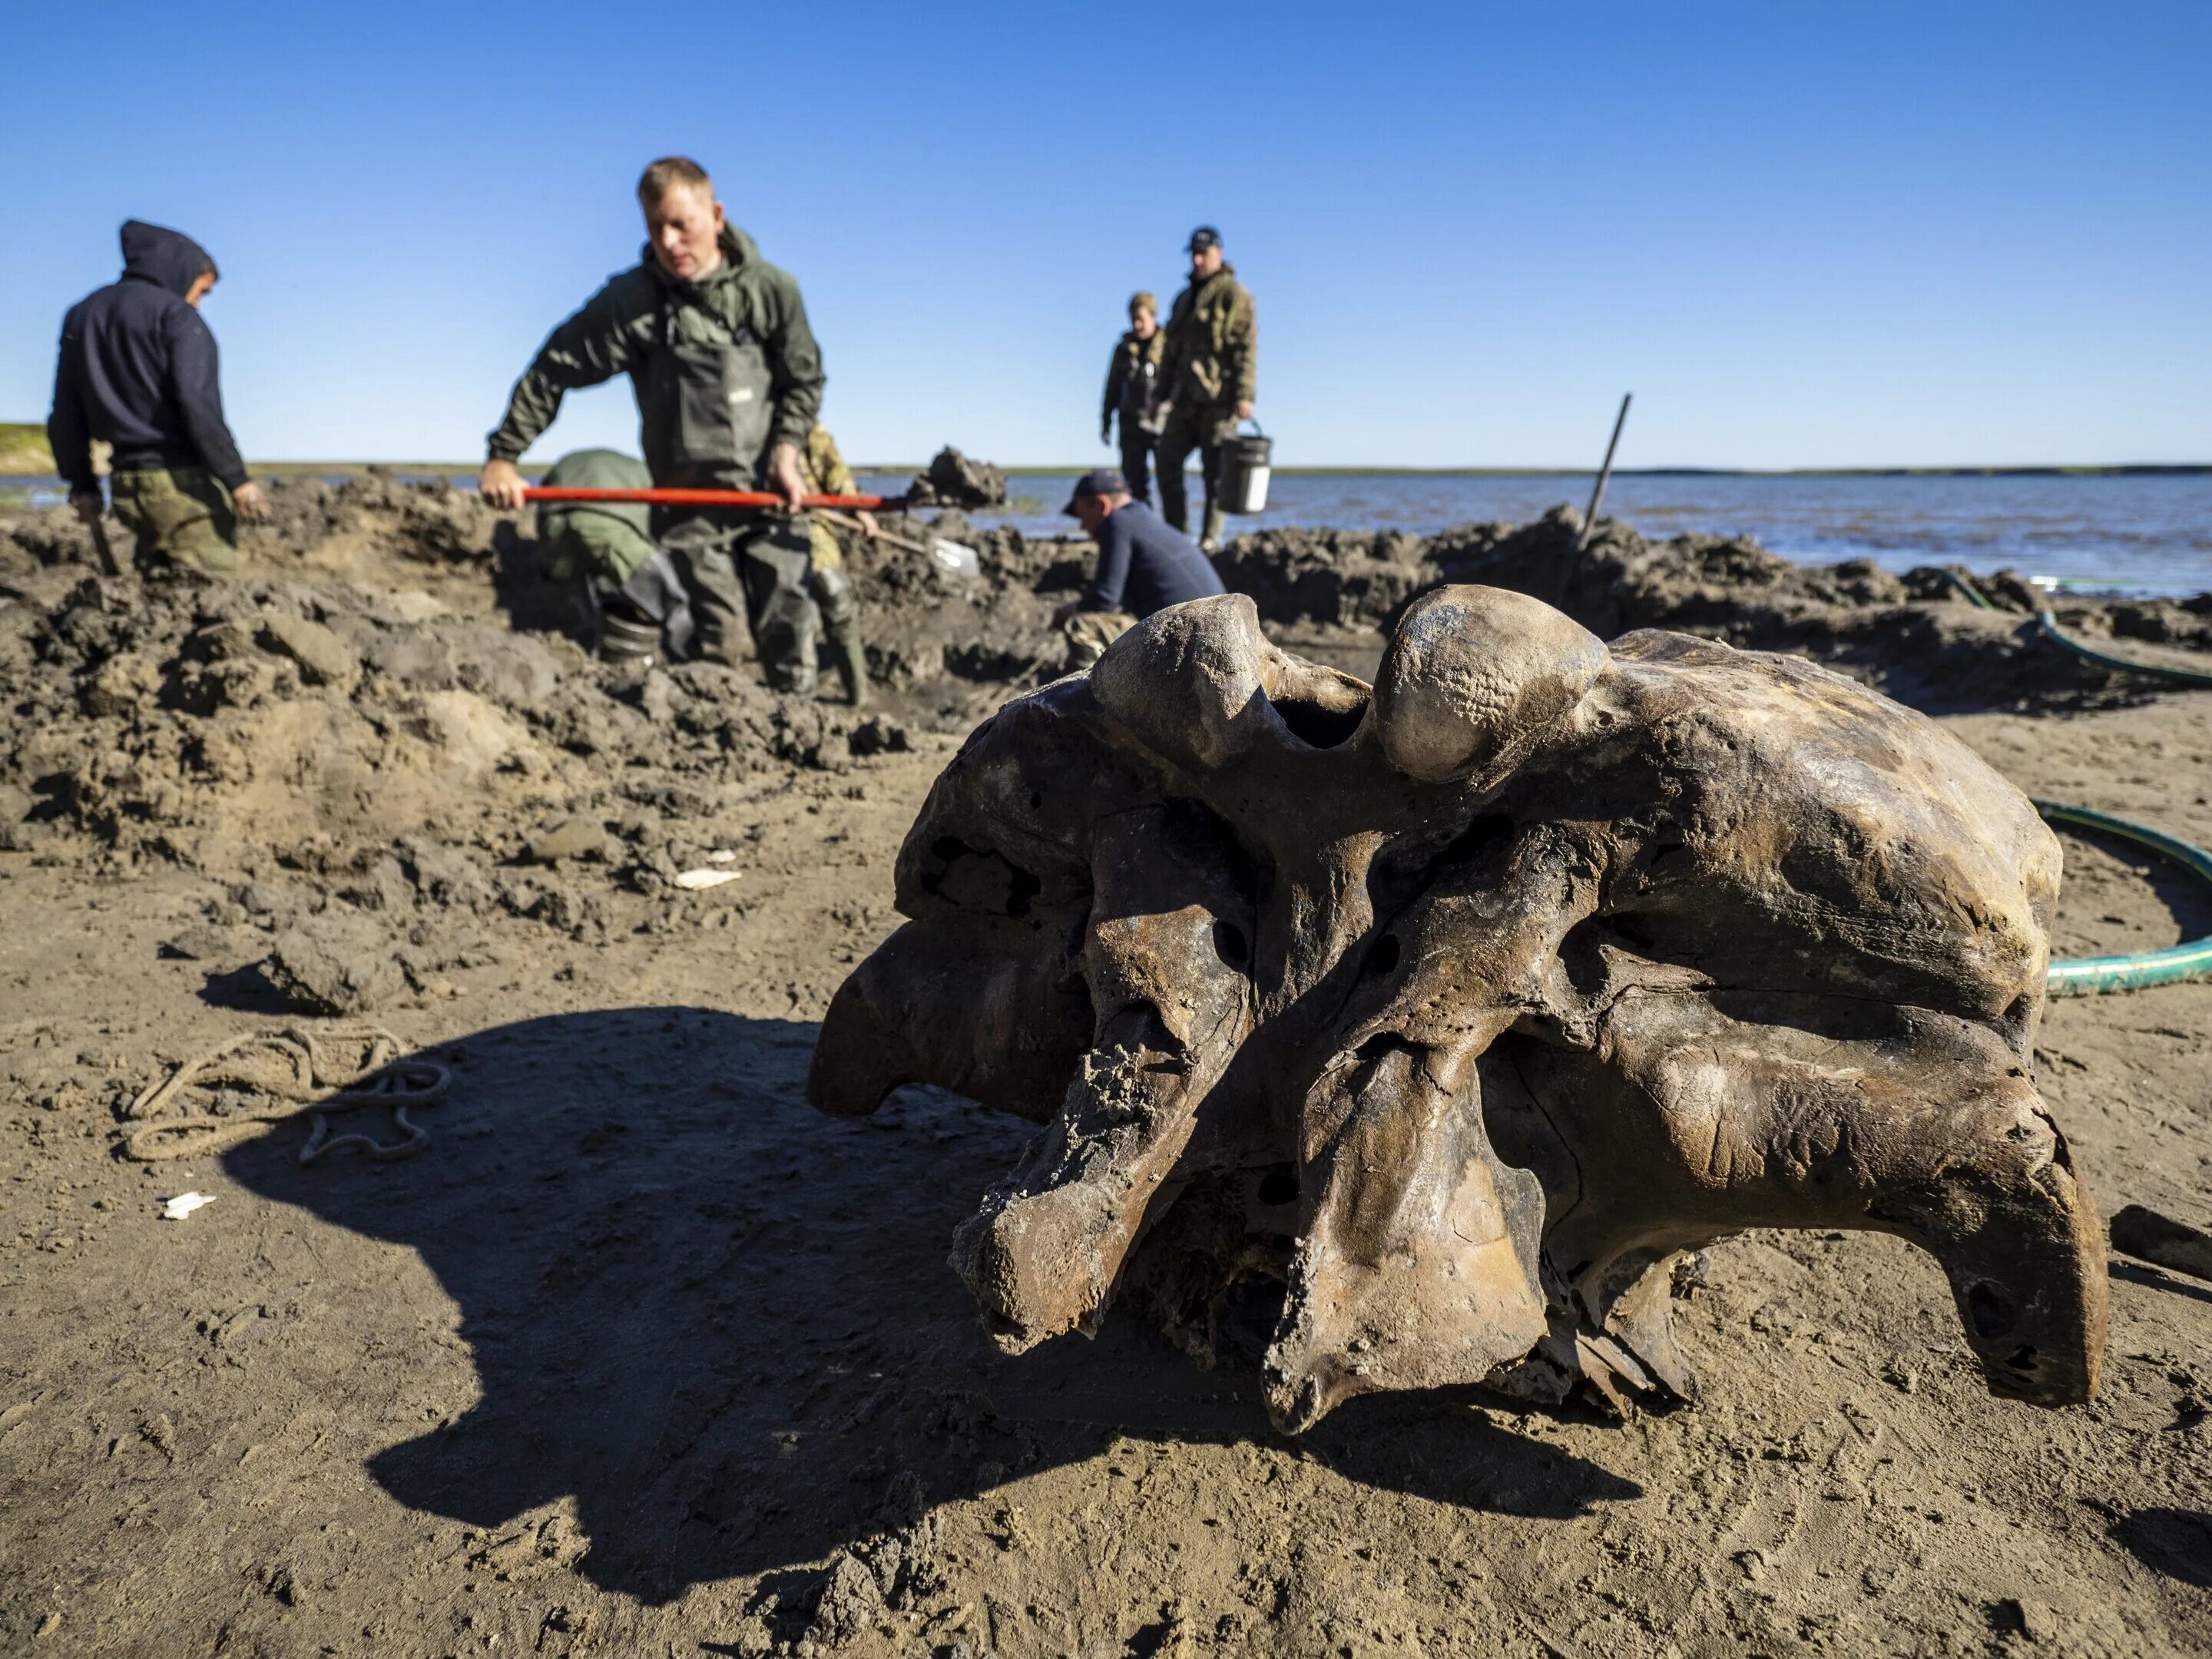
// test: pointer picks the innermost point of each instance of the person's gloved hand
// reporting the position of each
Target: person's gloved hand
(1243, 409)
(251, 502)
(87, 505)
(1105, 432)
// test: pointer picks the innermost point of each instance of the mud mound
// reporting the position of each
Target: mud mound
(217, 724)
(952, 480)
(1916, 636)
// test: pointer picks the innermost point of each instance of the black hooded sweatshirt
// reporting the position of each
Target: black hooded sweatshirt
(138, 369)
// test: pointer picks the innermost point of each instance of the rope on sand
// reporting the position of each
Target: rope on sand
(318, 1083)
(2078, 976)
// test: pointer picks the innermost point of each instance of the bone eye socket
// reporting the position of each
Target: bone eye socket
(1316, 724)
(1279, 1185)
(1992, 1313)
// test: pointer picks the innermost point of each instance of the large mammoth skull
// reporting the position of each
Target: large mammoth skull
(1459, 1005)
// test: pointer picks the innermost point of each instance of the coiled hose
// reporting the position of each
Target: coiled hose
(2079, 976)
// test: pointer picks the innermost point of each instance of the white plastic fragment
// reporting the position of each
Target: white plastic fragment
(183, 1204)
(693, 880)
(954, 558)
(721, 855)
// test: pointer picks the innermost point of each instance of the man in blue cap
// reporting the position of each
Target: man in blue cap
(1145, 565)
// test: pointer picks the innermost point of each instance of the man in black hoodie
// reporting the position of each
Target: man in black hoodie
(138, 371)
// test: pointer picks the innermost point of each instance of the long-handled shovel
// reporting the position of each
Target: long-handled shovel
(955, 557)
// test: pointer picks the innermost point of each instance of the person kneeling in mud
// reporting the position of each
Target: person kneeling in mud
(633, 598)
(828, 580)
(1144, 564)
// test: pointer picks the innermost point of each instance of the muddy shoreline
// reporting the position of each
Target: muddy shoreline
(643, 1356)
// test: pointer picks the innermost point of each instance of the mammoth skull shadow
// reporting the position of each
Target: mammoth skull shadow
(681, 1310)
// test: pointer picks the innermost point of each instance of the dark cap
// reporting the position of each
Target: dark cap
(1103, 482)
(1204, 237)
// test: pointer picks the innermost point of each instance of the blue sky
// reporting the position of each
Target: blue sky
(1803, 235)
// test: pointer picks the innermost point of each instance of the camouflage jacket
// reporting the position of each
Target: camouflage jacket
(1132, 374)
(822, 467)
(1212, 333)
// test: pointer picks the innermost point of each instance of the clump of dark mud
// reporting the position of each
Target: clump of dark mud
(952, 480)
(1917, 636)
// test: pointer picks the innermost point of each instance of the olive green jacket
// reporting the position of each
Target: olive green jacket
(1213, 343)
(614, 333)
(1123, 376)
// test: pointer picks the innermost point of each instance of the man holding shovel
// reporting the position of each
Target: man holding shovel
(728, 379)
(826, 474)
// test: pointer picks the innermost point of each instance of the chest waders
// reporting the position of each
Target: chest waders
(706, 397)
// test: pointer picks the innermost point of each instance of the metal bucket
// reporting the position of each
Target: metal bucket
(1245, 466)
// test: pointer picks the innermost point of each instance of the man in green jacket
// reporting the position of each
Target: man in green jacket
(1132, 389)
(1209, 374)
(729, 379)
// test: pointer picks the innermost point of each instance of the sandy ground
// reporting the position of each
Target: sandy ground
(643, 1357)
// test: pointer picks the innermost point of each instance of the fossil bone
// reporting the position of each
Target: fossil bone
(1461, 1006)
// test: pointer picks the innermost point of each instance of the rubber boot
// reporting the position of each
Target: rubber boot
(841, 624)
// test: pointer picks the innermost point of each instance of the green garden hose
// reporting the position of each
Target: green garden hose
(2077, 976)
(2126, 666)
(2065, 641)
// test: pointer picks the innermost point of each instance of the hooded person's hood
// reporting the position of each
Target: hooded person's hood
(167, 258)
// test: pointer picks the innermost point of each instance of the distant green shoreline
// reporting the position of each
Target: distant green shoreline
(2129, 469)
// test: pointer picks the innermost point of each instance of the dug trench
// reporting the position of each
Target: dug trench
(643, 1356)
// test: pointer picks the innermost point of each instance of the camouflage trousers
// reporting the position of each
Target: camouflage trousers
(1090, 632)
(1204, 430)
(181, 516)
(832, 590)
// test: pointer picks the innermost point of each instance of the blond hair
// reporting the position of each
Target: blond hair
(665, 174)
(1143, 301)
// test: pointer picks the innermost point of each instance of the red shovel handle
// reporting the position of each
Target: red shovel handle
(709, 498)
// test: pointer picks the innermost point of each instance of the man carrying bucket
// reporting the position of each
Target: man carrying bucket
(1209, 374)
(729, 379)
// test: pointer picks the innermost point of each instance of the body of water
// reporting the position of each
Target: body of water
(2145, 533)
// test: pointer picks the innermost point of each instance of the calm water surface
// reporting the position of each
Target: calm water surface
(2145, 533)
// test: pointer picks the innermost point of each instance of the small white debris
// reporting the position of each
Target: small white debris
(183, 1204)
(721, 855)
(955, 559)
(693, 880)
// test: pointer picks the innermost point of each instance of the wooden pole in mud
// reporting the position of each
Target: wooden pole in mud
(1605, 472)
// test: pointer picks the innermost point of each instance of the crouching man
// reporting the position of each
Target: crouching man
(728, 379)
(633, 596)
(1144, 564)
